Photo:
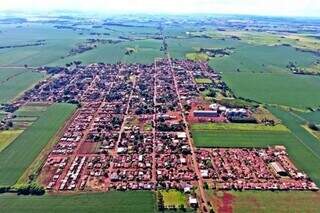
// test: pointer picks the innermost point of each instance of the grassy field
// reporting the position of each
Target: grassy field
(262, 59)
(31, 110)
(173, 198)
(18, 156)
(236, 138)
(251, 201)
(203, 81)
(312, 117)
(276, 88)
(197, 56)
(134, 201)
(14, 85)
(6, 137)
(237, 127)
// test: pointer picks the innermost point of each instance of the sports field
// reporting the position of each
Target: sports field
(16, 158)
(133, 201)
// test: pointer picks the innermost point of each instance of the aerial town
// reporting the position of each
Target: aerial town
(131, 132)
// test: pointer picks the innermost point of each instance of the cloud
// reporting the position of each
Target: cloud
(256, 7)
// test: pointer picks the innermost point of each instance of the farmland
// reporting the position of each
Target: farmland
(14, 159)
(13, 84)
(281, 201)
(254, 201)
(99, 202)
(281, 88)
(6, 137)
(122, 104)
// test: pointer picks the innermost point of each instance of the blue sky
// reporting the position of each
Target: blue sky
(255, 7)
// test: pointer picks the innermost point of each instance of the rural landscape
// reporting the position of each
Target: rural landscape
(159, 113)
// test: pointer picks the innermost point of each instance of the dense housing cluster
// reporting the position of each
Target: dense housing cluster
(258, 169)
(131, 131)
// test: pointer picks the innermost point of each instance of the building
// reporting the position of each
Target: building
(205, 113)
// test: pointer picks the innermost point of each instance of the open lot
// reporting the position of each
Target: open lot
(134, 201)
(173, 198)
(17, 157)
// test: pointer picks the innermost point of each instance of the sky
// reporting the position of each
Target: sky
(250, 7)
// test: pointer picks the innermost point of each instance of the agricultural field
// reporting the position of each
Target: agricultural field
(237, 127)
(14, 84)
(6, 137)
(134, 201)
(14, 160)
(276, 88)
(265, 201)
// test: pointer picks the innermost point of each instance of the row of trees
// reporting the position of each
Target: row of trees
(24, 189)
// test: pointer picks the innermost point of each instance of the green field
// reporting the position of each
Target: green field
(262, 59)
(203, 81)
(312, 117)
(6, 137)
(17, 157)
(276, 88)
(31, 110)
(173, 198)
(266, 201)
(237, 127)
(134, 201)
(14, 85)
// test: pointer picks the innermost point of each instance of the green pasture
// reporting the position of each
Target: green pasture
(14, 85)
(133, 201)
(276, 88)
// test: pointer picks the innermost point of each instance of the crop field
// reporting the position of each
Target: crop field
(178, 48)
(251, 201)
(262, 59)
(147, 50)
(17, 157)
(6, 137)
(312, 117)
(281, 88)
(12, 85)
(31, 110)
(240, 138)
(238, 127)
(134, 201)
(57, 44)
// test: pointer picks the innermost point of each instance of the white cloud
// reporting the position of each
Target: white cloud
(257, 7)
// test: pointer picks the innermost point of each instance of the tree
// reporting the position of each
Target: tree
(182, 208)
(160, 202)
